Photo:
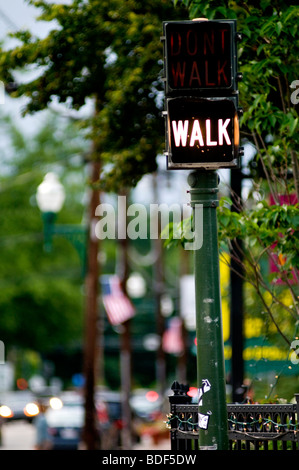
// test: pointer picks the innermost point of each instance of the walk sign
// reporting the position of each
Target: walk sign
(201, 106)
(202, 133)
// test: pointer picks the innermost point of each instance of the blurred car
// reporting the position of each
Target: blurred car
(65, 426)
(18, 405)
(146, 404)
(109, 412)
(70, 397)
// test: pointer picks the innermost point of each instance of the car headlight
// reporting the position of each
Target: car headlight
(31, 409)
(56, 403)
(5, 411)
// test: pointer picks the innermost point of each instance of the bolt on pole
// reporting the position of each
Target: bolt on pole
(212, 413)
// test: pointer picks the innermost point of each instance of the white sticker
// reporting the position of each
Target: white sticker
(203, 421)
(206, 386)
(213, 447)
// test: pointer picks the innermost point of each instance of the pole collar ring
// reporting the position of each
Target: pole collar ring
(203, 191)
(205, 203)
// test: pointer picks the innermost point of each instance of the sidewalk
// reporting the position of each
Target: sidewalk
(147, 443)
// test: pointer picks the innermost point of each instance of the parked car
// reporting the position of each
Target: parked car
(18, 405)
(146, 404)
(65, 426)
(109, 413)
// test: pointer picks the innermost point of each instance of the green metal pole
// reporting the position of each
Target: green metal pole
(49, 220)
(213, 433)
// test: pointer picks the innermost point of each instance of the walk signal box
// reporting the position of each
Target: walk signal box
(201, 88)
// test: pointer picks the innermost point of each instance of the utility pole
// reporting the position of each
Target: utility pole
(159, 287)
(236, 295)
(125, 352)
(90, 432)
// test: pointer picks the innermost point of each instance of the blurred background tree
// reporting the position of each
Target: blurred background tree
(40, 295)
(109, 51)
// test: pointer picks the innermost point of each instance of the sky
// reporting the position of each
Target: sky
(17, 15)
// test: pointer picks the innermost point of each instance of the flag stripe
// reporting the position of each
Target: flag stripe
(172, 341)
(117, 305)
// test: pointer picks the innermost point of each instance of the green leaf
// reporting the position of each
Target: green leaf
(224, 220)
(272, 120)
(260, 48)
(278, 27)
(293, 126)
(295, 221)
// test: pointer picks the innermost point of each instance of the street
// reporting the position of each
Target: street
(18, 435)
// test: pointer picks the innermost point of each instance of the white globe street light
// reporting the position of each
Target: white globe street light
(50, 194)
(136, 285)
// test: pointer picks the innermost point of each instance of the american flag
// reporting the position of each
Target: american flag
(172, 341)
(117, 305)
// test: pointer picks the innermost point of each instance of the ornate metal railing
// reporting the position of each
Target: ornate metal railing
(250, 426)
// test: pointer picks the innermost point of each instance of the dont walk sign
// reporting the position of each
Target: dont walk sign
(200, 57)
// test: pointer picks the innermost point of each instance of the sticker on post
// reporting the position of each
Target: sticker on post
(206, 386)
(203, 420)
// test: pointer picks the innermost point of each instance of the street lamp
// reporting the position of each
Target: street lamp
(50, 198)
(136, 286)
(50, 194)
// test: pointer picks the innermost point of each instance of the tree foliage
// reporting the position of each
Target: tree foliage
(109, 51)
(267, 222)
(40, 299)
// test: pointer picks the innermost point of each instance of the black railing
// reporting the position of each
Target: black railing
(250, 426)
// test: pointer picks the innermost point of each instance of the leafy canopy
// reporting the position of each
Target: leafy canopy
(40, 293)
(109, 51)
(267, 223)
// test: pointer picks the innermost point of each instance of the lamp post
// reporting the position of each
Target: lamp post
(50, 198)
(50, 194)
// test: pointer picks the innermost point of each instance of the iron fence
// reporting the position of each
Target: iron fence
(250, 426)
